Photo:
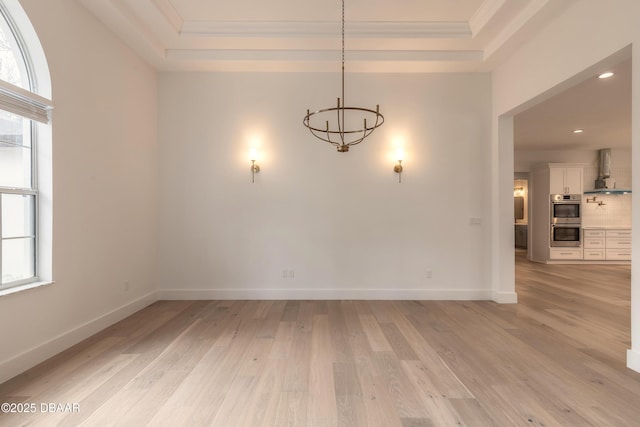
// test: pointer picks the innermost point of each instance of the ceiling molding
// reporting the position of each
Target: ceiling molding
(322, 55)
(415, 55)
(485, 13)
(249, 29)
(417, 30)
(160, 34)
(513, 27)
(172, 16)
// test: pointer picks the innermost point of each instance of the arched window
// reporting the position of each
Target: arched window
(24, 135)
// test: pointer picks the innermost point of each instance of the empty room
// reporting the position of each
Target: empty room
(304, 213)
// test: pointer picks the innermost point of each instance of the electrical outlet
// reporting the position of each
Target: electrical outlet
(126, 286)
(429, 274)
(288, 274)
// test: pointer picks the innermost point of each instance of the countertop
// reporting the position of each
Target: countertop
(616, 227)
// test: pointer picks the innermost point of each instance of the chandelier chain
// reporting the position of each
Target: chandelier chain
(341, 122)
(343, 34)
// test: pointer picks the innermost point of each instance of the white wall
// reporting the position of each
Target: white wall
(105, 189)
(585, 33)
(340, 221)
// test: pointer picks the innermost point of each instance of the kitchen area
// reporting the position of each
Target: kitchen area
(576, 212)
(572, 164)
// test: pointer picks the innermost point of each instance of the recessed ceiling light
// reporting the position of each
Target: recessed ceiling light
(578, 130)
(605, 75)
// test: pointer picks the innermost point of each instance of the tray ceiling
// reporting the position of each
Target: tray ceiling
(295, 35)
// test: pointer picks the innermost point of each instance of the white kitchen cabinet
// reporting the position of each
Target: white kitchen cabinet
(594, 243)
(594, 254)
(605, 244)
(618, 233)
(565, 253)
(594, 233)
(618, 245)
(618, 254)
(547, 179)
(593, 239)
(565, 179)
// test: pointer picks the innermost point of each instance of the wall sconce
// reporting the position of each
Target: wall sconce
(398, 167)
(254, 168)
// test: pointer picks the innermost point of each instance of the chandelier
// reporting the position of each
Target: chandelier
(334, 130)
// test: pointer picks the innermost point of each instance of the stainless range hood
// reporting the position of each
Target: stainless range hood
(604, 173)
(604, 168)
(608, 191)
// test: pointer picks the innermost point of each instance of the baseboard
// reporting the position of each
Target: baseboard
(505, 297)
(633, 360)
(11, 367)
(323, 294)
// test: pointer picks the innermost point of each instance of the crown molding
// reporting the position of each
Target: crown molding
(171, 15)
(156, 30)
(322, 55)
(485, 13)
(514, 26)
(417, 30)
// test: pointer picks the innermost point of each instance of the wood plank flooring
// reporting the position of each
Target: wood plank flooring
(557, 358)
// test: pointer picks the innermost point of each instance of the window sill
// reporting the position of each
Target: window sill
(24, 287)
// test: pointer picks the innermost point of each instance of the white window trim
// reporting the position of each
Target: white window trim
(37, 108)
(24, 287)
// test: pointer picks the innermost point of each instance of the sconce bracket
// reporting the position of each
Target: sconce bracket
(254, 170)
(398, 169)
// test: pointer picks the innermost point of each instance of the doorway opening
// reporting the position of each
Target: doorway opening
(597, 292)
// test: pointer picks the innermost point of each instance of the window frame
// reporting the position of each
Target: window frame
(33, 107)
(31, 191)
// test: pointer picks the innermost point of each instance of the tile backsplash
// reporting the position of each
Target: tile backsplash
(614, 212)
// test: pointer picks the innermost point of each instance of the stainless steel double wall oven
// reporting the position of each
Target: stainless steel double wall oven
(566, 220)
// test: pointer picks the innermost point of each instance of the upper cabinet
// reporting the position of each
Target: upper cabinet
(547, 179)
(565, 178)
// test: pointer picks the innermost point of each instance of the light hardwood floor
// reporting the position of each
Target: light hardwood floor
(555, 359)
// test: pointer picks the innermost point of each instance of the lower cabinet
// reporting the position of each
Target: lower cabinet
(598, 244)
(565, 253)
(618, 255)
(521, 236)
(607, 244)
(594, 254)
